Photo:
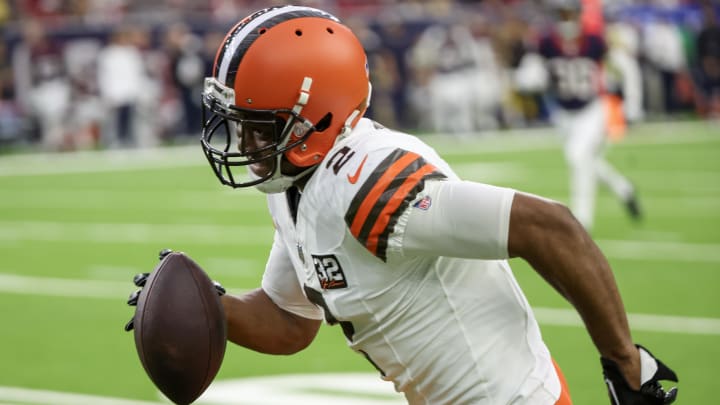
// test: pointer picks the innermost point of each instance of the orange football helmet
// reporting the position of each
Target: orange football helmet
(294, 75)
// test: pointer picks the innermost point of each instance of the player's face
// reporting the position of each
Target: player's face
(256, 141)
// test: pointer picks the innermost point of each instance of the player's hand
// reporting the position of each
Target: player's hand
(140, 279)
(652, 371)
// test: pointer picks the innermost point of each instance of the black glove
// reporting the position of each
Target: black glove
(140, 280)
(651, 392)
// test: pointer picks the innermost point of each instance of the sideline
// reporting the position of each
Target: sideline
(168, 157)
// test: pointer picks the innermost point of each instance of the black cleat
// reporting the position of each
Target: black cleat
(631, 204)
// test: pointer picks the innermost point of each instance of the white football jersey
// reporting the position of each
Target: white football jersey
(444, 329)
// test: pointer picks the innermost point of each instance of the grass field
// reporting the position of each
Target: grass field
(75, 228)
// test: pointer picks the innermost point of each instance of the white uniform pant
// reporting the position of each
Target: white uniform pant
(584, 135)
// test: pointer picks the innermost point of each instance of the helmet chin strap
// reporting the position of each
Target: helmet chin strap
(279, 182)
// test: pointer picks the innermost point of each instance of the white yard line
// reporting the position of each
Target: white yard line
(42, 164)
(134, 233)
(65, 287)
(96, 194)
(12, 232)
(661, 251)
(115, 290)
(638, 322)
(45, 397)
(296, 389)
(69, 287)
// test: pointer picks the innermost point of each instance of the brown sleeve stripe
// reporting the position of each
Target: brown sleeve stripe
(370, 192)
(384, 196)
(377, 242)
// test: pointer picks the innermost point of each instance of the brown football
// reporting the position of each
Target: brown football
(180, 330)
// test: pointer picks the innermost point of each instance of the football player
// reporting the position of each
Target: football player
(377, 234)
(570, 65)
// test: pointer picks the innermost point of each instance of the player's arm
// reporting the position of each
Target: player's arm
(480, 221)
(256, 322)
(277, 318)
(555, 244)
(558, 247)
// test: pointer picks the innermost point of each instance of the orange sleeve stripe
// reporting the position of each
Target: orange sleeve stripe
(395, 201)
(380, 186)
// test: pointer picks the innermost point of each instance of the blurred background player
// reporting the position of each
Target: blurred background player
(707, 69)
(123, 58)
(41, 86)
(569, 63)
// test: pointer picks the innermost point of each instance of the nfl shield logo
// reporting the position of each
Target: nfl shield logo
(424, 204)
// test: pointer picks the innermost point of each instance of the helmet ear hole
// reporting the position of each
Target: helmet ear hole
(324, 123)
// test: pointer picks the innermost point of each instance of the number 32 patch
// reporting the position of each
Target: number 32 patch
(329, 272)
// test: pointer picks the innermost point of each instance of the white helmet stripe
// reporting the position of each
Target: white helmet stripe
(235, 43)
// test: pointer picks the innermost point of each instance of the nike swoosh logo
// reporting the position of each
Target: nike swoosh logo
(354, 178)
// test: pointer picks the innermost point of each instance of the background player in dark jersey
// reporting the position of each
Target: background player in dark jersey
(568, 64)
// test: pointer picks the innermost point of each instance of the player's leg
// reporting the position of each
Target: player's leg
(614, 180)
(619, 185)
(585, 132)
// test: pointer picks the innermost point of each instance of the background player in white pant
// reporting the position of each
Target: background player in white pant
(570, 63)
(376, 233)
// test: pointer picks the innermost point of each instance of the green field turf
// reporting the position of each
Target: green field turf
(75, 228)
